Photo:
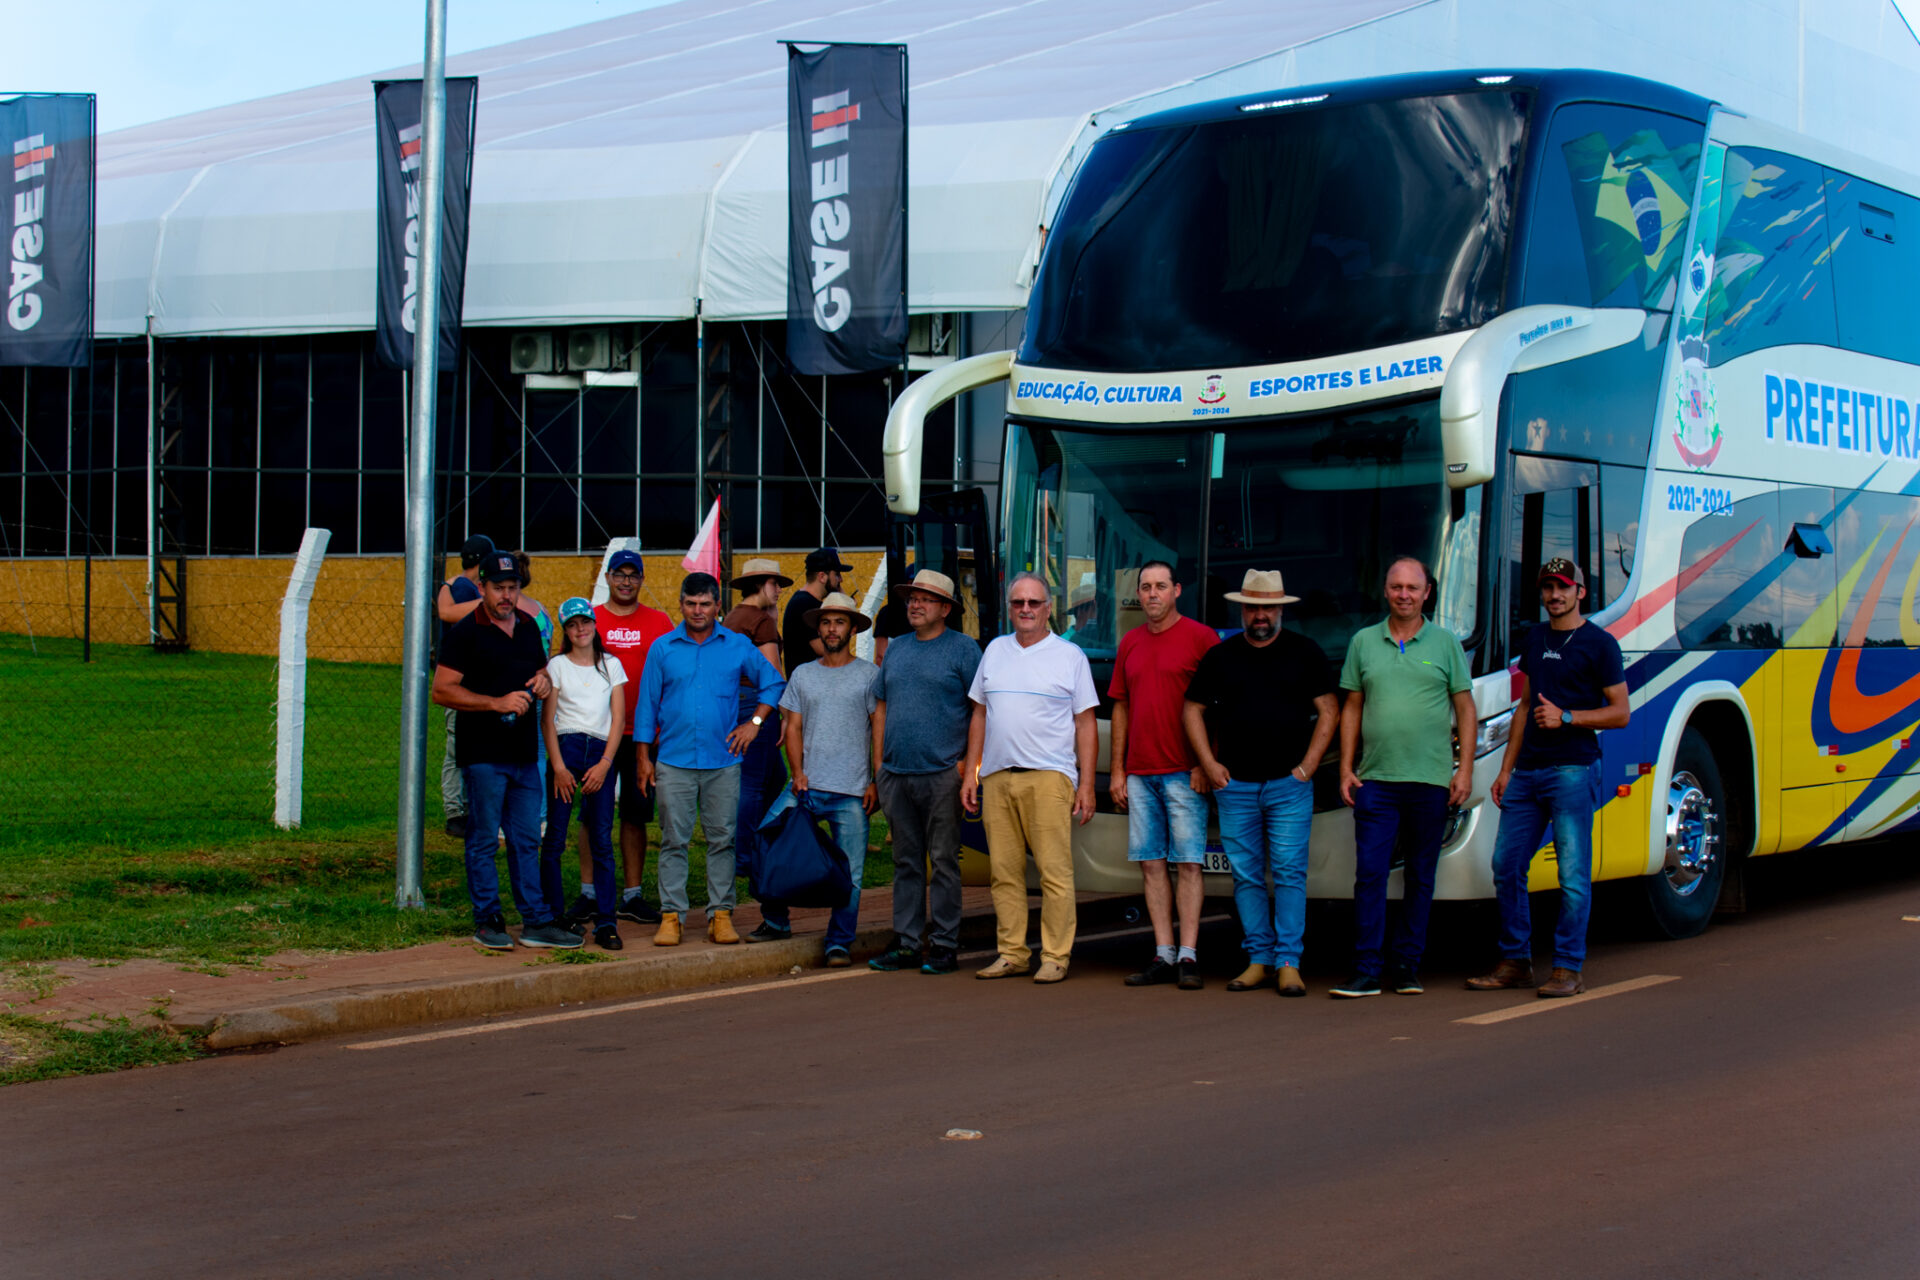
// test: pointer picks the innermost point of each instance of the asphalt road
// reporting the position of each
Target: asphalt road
(1755, 1115)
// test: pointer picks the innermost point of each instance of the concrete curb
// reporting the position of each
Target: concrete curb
(384, 1008)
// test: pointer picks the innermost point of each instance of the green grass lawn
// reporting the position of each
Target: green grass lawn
(136, 812)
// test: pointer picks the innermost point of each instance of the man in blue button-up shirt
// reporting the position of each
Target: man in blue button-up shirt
(686, 741)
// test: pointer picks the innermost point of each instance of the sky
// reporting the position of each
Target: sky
(151, 59)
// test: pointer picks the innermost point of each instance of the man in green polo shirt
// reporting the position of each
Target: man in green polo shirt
(1407, 685)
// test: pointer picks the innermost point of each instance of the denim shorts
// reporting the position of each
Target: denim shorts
(1166, 819)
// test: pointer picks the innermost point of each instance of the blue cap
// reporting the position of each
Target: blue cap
(575, 607)
(623, 559)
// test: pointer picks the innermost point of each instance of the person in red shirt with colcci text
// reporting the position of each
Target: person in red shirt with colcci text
(627, 630)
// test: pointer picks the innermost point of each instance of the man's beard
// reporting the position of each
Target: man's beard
(1260, 630)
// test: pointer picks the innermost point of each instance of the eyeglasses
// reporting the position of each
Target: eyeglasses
(623, 575)
(1028, 604)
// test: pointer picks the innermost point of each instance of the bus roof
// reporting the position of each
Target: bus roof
(1553, 87)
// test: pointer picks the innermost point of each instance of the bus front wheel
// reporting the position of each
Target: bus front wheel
(1682, 894)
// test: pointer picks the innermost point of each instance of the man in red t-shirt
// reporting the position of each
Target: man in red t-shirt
(1153, 776)
(627, 630)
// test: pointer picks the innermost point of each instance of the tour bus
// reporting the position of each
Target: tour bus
(1486, 319)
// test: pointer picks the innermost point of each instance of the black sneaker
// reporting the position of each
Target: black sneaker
(1154, 974)
(900, 957)
(607, 938)
(1190, 979)
(639, 910)
(582, 910)
(578, 928)
(457, 827)
(493, 935)
(837, 958)
(768, 933)
(1407, 983)
(549, 935)
(1361, 986)
(939, 960)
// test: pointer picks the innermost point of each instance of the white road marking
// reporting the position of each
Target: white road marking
(629, 1006)
(1546, 1006)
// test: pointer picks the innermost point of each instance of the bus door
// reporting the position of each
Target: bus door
(952, 534)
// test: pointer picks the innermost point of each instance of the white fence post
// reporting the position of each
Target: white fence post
(290, 719)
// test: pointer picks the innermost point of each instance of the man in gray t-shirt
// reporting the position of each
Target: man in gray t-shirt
(828, 705)
(920, 735)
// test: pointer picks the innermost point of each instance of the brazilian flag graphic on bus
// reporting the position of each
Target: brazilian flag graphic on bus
(1632, 200)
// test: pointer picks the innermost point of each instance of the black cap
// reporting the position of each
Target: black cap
(824, 559)
(474, 550)
(498, 567)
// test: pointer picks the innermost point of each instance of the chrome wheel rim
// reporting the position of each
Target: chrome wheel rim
(1693, 834)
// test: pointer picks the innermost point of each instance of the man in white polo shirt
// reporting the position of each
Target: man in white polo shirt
(1029, 769)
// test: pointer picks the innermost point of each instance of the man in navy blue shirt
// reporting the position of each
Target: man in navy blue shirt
(685, 738)
(1572, 684)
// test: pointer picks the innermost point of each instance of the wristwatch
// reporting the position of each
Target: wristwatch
(1566, 717)
(758, 721)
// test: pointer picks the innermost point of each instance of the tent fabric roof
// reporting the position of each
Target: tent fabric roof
(631, 168)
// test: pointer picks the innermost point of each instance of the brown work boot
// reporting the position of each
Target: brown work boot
(1562, 982)
(720, 928)
(1506, 975)
(1291, 983)
(668, 932)
(1252, 978)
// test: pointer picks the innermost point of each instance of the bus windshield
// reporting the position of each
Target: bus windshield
(1329, 500)
(1281, 235)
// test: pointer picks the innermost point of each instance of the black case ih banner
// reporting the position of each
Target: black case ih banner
(48, 317)
(396, 110)
(847, 198)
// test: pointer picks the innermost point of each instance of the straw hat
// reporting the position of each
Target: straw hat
(1262, 586)
(757, 569)
(839, 602)
(934, 584)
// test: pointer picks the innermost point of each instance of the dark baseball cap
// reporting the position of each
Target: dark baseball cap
(824, 559)
(498, 567)
(1561, 569)
(474, 550)
(624, 559)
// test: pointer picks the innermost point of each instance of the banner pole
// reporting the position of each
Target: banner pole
(414, 675)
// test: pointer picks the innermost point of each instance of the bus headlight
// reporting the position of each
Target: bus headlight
(1492, 733)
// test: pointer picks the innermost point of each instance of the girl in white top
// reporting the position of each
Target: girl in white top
(588, 700)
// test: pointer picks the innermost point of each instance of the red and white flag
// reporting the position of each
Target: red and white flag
(704, 555)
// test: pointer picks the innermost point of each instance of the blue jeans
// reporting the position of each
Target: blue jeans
(1166, 819)
(1563, 797)
(580, 752)
(847, 823)
(762, 774)
(505, 798)
(1264, 827)
(1412, 816)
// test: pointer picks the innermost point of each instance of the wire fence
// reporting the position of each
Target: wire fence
(144, 746)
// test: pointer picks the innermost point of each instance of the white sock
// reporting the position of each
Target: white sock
(628, 895)
(1165, 954)
(1188, 953)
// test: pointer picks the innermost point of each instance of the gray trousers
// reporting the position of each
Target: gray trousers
(453, 784)
(714, 796)
(923, 812)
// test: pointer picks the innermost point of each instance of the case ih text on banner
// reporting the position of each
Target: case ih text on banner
(396, 109)
(847, 208)
(48, 316)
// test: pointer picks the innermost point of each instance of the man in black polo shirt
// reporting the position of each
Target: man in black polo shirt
(492, 668)
(801, 639)
(1259, 715)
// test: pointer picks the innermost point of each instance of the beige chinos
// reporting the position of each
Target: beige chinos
(1030, 810)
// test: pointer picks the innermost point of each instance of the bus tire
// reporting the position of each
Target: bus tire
(1682, 894)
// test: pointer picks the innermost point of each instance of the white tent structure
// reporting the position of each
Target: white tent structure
(635, 169)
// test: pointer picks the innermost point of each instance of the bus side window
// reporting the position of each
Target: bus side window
(1772, 279)
(1881, 533)
(1730, 576)
(1876, 269)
